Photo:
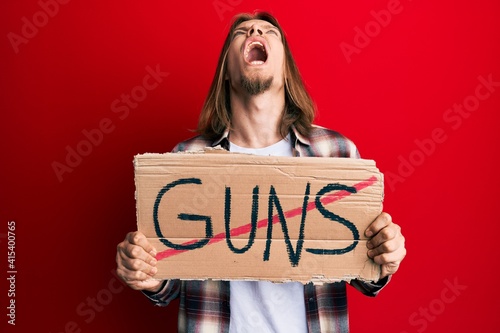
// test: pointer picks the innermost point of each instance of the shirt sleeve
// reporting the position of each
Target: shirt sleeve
(353, 151)
(167, 293)
(370, 288)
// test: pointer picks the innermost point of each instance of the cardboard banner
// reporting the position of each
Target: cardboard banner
(230, 216)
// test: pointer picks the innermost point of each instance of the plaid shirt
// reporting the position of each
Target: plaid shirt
(204, 305)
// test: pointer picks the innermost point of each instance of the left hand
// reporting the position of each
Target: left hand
(386, 245)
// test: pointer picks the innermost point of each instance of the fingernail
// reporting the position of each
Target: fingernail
(154, 262)
(153, 252)
(154, 270)
(368, 233)
(369, 245)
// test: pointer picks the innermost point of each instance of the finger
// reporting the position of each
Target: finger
(385, 247)
(135, 262)
(390, 263)
(388, 269)
(389, 234)
(391, 257)
(378, 224)
(151, 284)
(138, 238)
(137, 252)
(135, 279)
(128, 248)
(147, 266)
(136, 270)
(395, 246)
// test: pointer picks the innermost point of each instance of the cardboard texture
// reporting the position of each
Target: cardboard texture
(229, 216)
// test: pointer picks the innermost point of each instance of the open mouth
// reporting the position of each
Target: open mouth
(255, 53)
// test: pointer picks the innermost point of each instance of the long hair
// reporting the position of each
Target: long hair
(215, 116)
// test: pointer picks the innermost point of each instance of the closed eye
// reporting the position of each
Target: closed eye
(272, 31)
(237, 33)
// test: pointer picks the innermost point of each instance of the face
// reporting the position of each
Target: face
(255, 60)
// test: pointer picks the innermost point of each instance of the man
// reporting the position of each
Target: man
(257, 104)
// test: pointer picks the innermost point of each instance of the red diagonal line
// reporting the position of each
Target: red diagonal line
(244, 229)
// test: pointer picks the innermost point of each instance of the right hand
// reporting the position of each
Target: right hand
(136, 263)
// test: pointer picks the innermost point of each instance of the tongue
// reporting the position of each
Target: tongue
(256, 54)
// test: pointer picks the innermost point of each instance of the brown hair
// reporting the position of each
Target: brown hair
(299, 110)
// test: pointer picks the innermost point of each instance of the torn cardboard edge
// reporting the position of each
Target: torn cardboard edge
(189, 222)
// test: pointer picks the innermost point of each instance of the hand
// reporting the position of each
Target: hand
(386, 245)
(136, 263)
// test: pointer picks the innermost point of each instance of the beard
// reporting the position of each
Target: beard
(255, 86)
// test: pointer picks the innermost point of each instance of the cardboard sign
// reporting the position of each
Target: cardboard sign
(233, 216)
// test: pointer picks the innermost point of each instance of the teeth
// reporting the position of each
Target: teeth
(249, 47)
(257, 62)
(256, 42)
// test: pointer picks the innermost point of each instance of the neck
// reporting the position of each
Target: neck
(256, 120)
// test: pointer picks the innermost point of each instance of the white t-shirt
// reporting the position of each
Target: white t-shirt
(261, 306)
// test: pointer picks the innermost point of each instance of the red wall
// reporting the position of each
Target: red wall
(406, 80)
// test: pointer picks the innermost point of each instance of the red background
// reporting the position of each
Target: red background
(396, 90)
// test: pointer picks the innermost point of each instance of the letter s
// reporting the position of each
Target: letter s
(334, 217)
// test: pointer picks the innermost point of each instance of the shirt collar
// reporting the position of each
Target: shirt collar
(300, 137)
(223, 140)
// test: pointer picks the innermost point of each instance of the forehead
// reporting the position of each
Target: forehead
(249, 23)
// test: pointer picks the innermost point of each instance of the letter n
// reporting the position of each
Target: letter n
(294, 256)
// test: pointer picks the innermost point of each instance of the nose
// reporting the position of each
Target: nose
(254, 30)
